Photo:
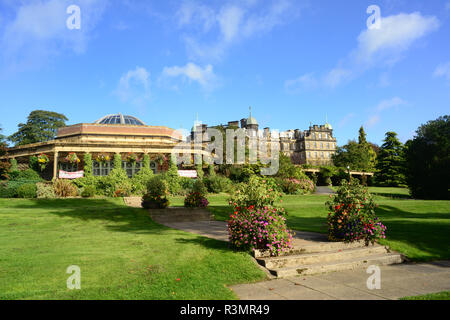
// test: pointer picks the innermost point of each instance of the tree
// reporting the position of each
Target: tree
(41, 126)
(428, 160)
(391, 162)
(4, 164)
(358, 155)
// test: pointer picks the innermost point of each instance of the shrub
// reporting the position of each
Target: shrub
(352, 215)
(259, 228)
(116, 180)
(256, 222)
(217, 184)
(120, 193)
(87, 164)
(173, 179)
(140, 180)
(8, 190)
(195, 200)
(259, 193)
(156, 196)
(186, 184)
(27, 190)
(45, 191)
(28, 175)
(65, 188)
(88, 192)
(199, 187)
(200, 172)
(295, 186)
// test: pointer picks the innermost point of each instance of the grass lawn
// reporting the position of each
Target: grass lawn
(420, 229)
(121, 252)
(433, 296)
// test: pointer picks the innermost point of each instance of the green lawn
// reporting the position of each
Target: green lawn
(420, 229)
(121, 252)
(433, 296)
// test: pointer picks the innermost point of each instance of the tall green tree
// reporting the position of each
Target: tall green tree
(428, 160)
(358, 155)
(391, 162)
(41, 126)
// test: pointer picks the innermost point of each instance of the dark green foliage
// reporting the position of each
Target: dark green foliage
(27, 190)
(428, 160)
(218, 184)
(88, 192)
(199, 169)
(199, 187)
(391, 162)
(33, 163)
(14, 165)
(41, 126)
(157, 192)
(140, 180)
(87, 164)
(357, 156)
(211, 170)
(186, 184)
(28, 175)
(117, 161)
(173, 178)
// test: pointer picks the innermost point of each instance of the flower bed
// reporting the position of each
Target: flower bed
(195, 200)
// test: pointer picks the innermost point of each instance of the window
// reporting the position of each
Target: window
(320, 136)
(131, 168)
(68, 167)
(321, 145)
(101, 168)
(153, 167)
(321, 155)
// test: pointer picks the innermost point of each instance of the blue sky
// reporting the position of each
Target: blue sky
(293, 61)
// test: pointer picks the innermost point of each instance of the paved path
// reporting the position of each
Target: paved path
(397, 281)
(324, 190)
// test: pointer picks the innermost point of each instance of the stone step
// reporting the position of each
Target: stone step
(320, 257)
(347, 264)
(313, 248)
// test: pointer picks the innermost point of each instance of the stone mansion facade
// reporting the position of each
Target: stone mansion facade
(314, 146)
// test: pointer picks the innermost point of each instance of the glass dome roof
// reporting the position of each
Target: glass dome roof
(120, 119)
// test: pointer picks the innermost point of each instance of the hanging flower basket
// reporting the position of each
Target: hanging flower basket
(160, 159)
(43, 160)
(103, 158)
(72, 158)
(132, 157)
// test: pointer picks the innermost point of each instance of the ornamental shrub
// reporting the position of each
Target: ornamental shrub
(217, 184)
(140, 181)
(258, 221)
(258, 192)
(195, 200)
(173, 178)
(157, 192)
(28, 175)
(259, 228)
(88, 192)
(27, 190)
(87, 159)
(8, 189)
(45, 191)
(296, 186)
(352, 215)
(65, 188)
(116, 180)
(186, 185)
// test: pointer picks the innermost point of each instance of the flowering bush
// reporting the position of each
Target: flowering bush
(352, 215)
(297, 186)
(259, 228)
(72, 158)
(120, 193)
(156, 196)
(195, 200)
(256, 222)
(43, 160)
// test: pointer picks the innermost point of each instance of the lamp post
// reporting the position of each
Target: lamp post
(349, 176)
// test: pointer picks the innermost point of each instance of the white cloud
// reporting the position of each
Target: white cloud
(234, 21)
(443, 71)
(396, 35)
(38, 31)
(382, 107)
(306, 81)
(134, 87)
(381, 47)
(373, 120)
(390, 103)
(192, 72)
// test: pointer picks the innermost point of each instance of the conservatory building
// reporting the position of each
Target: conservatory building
(111, 135)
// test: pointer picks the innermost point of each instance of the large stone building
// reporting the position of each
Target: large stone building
(314, 146)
